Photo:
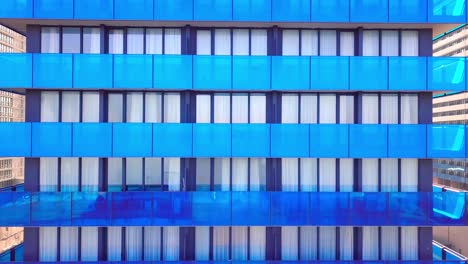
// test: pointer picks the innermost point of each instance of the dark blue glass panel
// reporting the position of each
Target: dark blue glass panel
(172, 140)
(92, 71)
(446, 74)
(133, 9)
(449, 208)
(446, 141)
(252, 10)
(92, 139)
(16, 70)
(408, 209)
(212, 72)
(182, 208)
(41, 213)
(21, 145)
(290, 208)
(368, 73)
(211, 140)
(133, 71)
(329, 73)
(15, 208)
(329, 141)
(368, 208)
(408, 73)
(250, 140)
(452, 11)
(132, 140)
(5, 256)
(288, 140)
(437, 252)
(173, 10)
(51, 139)
(19, 253)
(251, 73)
(407, 141)
(52, 71)
(369, 10)
(131, 208)
(408, 11)
(92, 9)
(168, 69)
(290, 73)
(16, 9)
(368, 141)
(219, 10)
(53, 9)
(291, 10)
(211, 208)
(250, 208)
(162, 208)
(330, 11)
(91, 209)
(329, 208)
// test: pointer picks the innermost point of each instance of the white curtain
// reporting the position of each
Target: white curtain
(48, 243)
(308, 242)
(370, 242)
(370, 43)
(390, 43)
(48, 174)
(389, 175)
(389, 109)
(154, 38)
(389, 242)
(134, 107)
(308, 109)
(327, 109)
(346, 243)
(409, 175)
(69, 174)
(115, 108)
(49, 106)
(239, 242)
(134, 172)
(153, 175)
(70, 106)
(370, 109)
(114, 243)
(220, 243)
(172, 173)
(346, 175)
(409, 243)
(240, 170)
(116, 39)
(240, 108)
(89, 174)
(346, 43)
(222, 42)
(222, 172)
(308, 174)
(327, 243)
(290, 109)
(114, 174)
(172, 41)
(92, 40)
(370, 175)
(153, 107)
(171, 108)
(289, 174)
(409, 109)
(222, 108)
(171, 243)
(409, 43)
(203, 174)
(135, 39)
(327, 175)
(289, 243)
(257, 242)
(152, 243)
(240, 42)
(290, 42)
(257, 174)
(68, 243)
(258, 108)
(203, 42)
(259, 42)
(90, 111)
(133, 243)
(89, 243)
(202, 243)
(309, 43)
(346, 109)
(328, 43)
(50, 40)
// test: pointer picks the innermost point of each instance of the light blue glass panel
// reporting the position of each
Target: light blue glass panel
(217, 10)
(52, 70)
(451, 11)
(369, 10)
(15, 208)
(290, 73)
(43, 202)
(329, 11)
(291, 10)
(132, 140)
(91, 209)
(16, 9)
(92, 71)
(16, 70)
(451, 255)
(372, 205)
(133, 9)
(131, 208)
(369, 73)
(92, 139)
(172, 72)
(407, 141)
(290, 208)
(250, 140)
(436, 252)
(251, 73)
(211, 140)
(449, 208)
(92, 9)
(51, 139)
(21, 145)
(288, 140)
(368, 141)
(408, 209)
(408, 73)
(5, 256)
(133, 71)
(212, 72)
(329, 208)
(446, 74)
(408, 11)
(211, 208)
(329, 73)
(251, 208)
(446, 141)
(172, 140)
(53, 9)
(252, 10)
(173, 10)
(329, 141)
(19, 253)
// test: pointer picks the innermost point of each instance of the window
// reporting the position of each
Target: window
(232, 41)
(71, 42)
(50, 40)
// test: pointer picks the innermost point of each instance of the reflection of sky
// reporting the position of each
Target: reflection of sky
(449, 7)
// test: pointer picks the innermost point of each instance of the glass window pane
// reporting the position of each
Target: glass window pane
(409, 109)
(115, 111)
(240, 174)
(389, 109)
(203, 42)
(91, 107)
(290, 109)
(390, 43)
(153, 107)
(172, 108)
(370, 43)
(172, 174)
(154, 41)
(134, 173)
(172, 41)
(116, 41)
(222, 108)
(327, 42)
(222, 173)
(409, 43)
(203, 108)
(153, 175)
(259, 42)
(91, 40)
(50, 40)
(135, 41)
(257, 108)
(308, 109)
(70, 106)
(309, 43)
(290, 42)
(135, 107)
(240, 108)
(346, 109)
(71, 41)
(203, 174)
(222, 42)
(257, 174)
(370, 109)
(347, 44)
(327, 109)
(240, 42)
(49, 106)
